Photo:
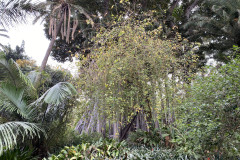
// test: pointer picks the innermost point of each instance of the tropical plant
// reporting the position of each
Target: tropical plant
(126, 74)
(24, 153)
(17, 53)
(12, 99)
(155, 153)
(150, 139)
(103, 148)
(3, 34)
(18, 96)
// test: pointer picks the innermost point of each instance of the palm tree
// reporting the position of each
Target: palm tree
(63, 18)
(20, 105)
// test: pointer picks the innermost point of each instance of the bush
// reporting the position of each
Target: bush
(18, 154)
(209, 124)
(155, 153)
(104, 148)
(148, 139)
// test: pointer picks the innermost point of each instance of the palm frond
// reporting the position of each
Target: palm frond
(11, 72)
(10, 131)
(32, 76)
(14, 11)
(3, 34)
(11, 99)
(57, 94)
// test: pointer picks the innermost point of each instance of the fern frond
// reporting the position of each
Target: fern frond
(11, 73)
(15, 11)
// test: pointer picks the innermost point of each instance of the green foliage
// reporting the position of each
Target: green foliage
(10, 131)
(109, 149)
(130, 65)
(103, 148)
(90, 138)
(14, 11)
(19, 102)
(13, 83)
(216, 25)
(209, 123)
(19, 154)
(68, 137)
(57, 94)
(149, 139)
(140, 153)
(17, 53)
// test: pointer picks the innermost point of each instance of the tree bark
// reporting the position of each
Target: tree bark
(44, 62)
(93, 117)
(190, 8)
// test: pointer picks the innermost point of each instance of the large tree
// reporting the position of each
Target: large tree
(177, 13)
(126, 75)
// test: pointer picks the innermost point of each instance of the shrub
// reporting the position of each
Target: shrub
(210, 118)
(104, 148)
(148, 139)
(18, 154)
(155, 153)
(113, 150)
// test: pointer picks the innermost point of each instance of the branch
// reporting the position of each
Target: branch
(106, 8)
(189, 9)
(170, 11)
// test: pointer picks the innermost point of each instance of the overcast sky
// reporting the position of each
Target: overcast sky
(35, 42)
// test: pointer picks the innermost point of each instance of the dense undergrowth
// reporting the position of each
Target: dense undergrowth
(111, 149)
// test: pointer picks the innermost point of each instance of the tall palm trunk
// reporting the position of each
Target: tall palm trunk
(44, 62)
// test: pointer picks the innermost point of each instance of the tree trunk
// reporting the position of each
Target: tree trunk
(45, 59)
(44, 62)
(170, 12)
(189, 9)
(92, 118)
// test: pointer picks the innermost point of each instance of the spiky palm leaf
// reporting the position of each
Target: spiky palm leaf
(12, 99)
(15, 88)
(3, 34)
(10, 131)
(57, 94)
(11, 73)
(14, 11)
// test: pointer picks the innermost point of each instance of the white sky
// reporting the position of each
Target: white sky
(36, 43)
